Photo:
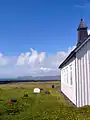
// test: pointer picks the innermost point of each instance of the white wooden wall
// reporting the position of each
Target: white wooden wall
(79, 91)
(83, 75)
(66, 88)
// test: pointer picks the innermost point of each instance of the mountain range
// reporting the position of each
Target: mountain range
(39, 78)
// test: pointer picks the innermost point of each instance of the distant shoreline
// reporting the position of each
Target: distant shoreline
(16, 81)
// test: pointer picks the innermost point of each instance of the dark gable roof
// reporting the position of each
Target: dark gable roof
(72, 54)
(68, 58)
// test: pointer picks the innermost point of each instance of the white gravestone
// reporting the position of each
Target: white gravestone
(36, 90)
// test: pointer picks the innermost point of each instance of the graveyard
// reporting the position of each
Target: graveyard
(38, 101)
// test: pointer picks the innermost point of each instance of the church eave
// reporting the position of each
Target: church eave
(72, 54)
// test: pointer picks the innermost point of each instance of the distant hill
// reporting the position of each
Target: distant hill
(29, 79)
(39, 78)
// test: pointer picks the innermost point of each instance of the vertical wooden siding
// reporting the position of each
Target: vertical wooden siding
(82, 72)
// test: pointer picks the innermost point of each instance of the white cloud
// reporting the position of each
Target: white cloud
(32, 63)
(27, 59)
(88, 32)
(84, 5)
(3, 60)
(45, 69)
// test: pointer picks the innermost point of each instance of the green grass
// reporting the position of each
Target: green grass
(53, 106)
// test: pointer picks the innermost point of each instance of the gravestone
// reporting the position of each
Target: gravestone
(41, 88)
(36, 90)
(13, 100)
(47, 92)
(52, 86)
(25, 95)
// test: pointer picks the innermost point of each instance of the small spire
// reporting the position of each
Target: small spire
(82, 25)
(82, 32)
(81, 19)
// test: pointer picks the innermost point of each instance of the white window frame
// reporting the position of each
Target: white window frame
(67, 75)
(71, 77)
(64, 75)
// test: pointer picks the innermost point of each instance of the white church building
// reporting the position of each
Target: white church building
(75, 70)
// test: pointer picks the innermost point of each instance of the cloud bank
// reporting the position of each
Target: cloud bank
(32, 63)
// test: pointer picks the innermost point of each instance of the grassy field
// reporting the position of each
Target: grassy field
(41, 106)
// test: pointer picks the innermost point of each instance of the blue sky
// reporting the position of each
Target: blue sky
(48, 26)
